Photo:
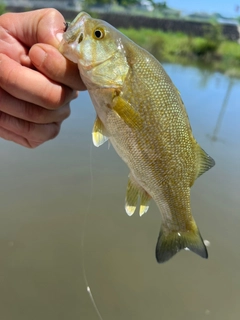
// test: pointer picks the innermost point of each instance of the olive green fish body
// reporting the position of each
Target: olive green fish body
(141, 112)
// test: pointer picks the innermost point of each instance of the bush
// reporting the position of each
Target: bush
(210, 43)
(2, 8)
(202, 46)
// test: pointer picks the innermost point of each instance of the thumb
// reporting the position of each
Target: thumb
(35, 26)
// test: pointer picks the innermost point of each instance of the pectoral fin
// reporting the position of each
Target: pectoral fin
(127, 113)
(134, 192)
(99, 135)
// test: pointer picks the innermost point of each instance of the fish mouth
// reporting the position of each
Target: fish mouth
(76, 27)
(68, 51)
(73, 35)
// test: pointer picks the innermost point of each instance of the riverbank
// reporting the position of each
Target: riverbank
(212, 52)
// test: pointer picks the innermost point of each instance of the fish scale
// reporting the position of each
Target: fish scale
(141, 112)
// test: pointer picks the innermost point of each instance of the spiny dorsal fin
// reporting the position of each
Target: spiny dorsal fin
(134, 192)
(204, 161)
(99, 133)
(170, 243)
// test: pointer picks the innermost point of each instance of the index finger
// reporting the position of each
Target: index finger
(35, 26)
(32, 86)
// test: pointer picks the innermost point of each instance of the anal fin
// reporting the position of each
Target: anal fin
(144, 202)
(135, 192)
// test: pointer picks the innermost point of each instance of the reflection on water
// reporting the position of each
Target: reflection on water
(222, 111)
(47, 192)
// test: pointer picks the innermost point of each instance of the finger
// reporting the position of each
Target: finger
(8, 42)
(51, 62)
(31, 112)
(11, 136)
(34, 26)
(32, 86)
(37, 133)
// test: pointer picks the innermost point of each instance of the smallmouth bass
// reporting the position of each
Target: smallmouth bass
(141, 112)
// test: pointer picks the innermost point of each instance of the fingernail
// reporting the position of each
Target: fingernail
(59, 36)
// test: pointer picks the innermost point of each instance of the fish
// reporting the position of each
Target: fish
(140, 111)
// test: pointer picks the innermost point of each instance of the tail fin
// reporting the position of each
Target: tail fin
(170, 243)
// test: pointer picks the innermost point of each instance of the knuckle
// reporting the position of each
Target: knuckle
(26, 127)
(34, 113)
(33, 134)
(52, 97)
(40, 133)
(32, 144)
(7, 77)
(51, 12)
(37, 134)
(21, 127)
(56, 95)
(66, 112)
(54, 131)
(4, 120)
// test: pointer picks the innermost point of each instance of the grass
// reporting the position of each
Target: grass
(211, 52)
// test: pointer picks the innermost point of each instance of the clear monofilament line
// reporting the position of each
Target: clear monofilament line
(83, 238)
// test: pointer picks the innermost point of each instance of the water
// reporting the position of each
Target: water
(47, 192)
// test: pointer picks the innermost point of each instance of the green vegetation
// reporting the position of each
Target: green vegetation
(211, 52)
(2, 8)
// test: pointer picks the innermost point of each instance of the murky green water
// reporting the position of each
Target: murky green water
(46, 193)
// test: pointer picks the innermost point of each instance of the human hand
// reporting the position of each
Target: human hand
(36, 82)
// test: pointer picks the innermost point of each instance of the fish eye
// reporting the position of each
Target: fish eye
(98, 33)
(66, 25)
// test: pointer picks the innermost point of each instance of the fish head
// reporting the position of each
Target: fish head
(98, 49)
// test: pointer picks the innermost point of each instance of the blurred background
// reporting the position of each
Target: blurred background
(62, 217)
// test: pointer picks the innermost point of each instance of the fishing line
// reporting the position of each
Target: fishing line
(83, 237)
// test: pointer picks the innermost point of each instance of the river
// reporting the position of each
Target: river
(63, 226)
